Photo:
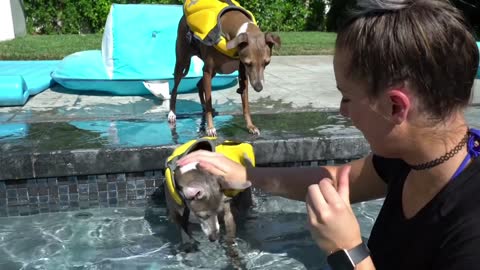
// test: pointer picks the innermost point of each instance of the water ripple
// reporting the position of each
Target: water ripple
(274, 237)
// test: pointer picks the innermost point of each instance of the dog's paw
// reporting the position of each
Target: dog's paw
(212, 132)
(254, 130)
(172, 118)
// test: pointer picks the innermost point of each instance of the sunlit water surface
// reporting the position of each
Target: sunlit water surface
(274, 237)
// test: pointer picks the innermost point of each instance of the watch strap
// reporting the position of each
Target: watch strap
(359, 253)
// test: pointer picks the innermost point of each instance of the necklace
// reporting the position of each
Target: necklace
(442, 159)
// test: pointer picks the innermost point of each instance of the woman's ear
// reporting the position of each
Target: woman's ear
(400, 105)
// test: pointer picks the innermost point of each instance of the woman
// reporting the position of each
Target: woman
(405, 70)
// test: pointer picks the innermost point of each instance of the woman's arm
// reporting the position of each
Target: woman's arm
(291, 182)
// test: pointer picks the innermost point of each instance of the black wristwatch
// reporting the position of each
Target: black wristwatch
(348, 259)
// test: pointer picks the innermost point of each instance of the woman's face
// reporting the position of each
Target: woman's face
(367, 115)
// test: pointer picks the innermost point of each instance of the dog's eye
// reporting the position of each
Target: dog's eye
(248, 64)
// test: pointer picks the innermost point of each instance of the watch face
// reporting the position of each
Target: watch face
(340, 261)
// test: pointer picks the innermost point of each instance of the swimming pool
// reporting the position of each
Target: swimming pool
(274, 237)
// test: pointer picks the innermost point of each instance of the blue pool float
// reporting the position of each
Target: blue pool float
(138, 46)
(21, 79)
(478, 70)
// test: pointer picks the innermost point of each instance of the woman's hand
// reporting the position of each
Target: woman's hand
(332, 223)
(234, 173)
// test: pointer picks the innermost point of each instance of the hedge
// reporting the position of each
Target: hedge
(87, 16)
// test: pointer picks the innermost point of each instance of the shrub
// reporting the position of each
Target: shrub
(87, 16)
(72, 16)
(279, 15)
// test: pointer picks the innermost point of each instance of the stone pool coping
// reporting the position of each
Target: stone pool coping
(71, 180)
(61, 163)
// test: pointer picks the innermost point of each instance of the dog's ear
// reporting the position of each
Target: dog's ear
(247, 161)
(238, 41)
(273, 40)
(193, 193)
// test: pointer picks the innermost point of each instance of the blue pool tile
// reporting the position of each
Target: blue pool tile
(22, 192)
(140, 184)
(93, 188)
(82, 188)
(73, 197)
(32, 191)
(34, 211)
(63, 189)
(52, 181)
(94, 204)
(42, 182)
(42, 191)
(11, 193)
(102, 196)
(84, 205)
(73, 188)
(74, 204)
(121, 186)
(102, 186)
(112, 201)
(93, 196)
(12, 202)
(112, 187)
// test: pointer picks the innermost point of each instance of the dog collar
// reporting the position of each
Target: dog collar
(236, 151)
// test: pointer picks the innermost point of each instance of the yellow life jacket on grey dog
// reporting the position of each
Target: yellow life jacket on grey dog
(203, 20)
(235, 151)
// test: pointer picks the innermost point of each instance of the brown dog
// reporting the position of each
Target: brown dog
(254, 49)
(204, 199)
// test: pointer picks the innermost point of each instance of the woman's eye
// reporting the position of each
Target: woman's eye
(345, 100)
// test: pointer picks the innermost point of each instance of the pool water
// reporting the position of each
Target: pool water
(274, 237)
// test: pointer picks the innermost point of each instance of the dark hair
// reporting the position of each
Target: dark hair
(425, 43)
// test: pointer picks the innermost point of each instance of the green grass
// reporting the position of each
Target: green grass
(306, 43)
(43, 47)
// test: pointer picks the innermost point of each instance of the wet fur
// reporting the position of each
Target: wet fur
(208, 205)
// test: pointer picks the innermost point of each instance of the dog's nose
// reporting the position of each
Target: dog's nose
(258, 86)
(213, 237)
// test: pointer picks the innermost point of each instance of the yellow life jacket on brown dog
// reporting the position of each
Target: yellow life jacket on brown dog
(235, 151)
(203, 20)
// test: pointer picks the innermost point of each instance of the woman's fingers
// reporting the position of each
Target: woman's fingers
(217, 164)
(315, 199)
(211, 168)
(343, 183)
(213, 162)
(197, 156)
